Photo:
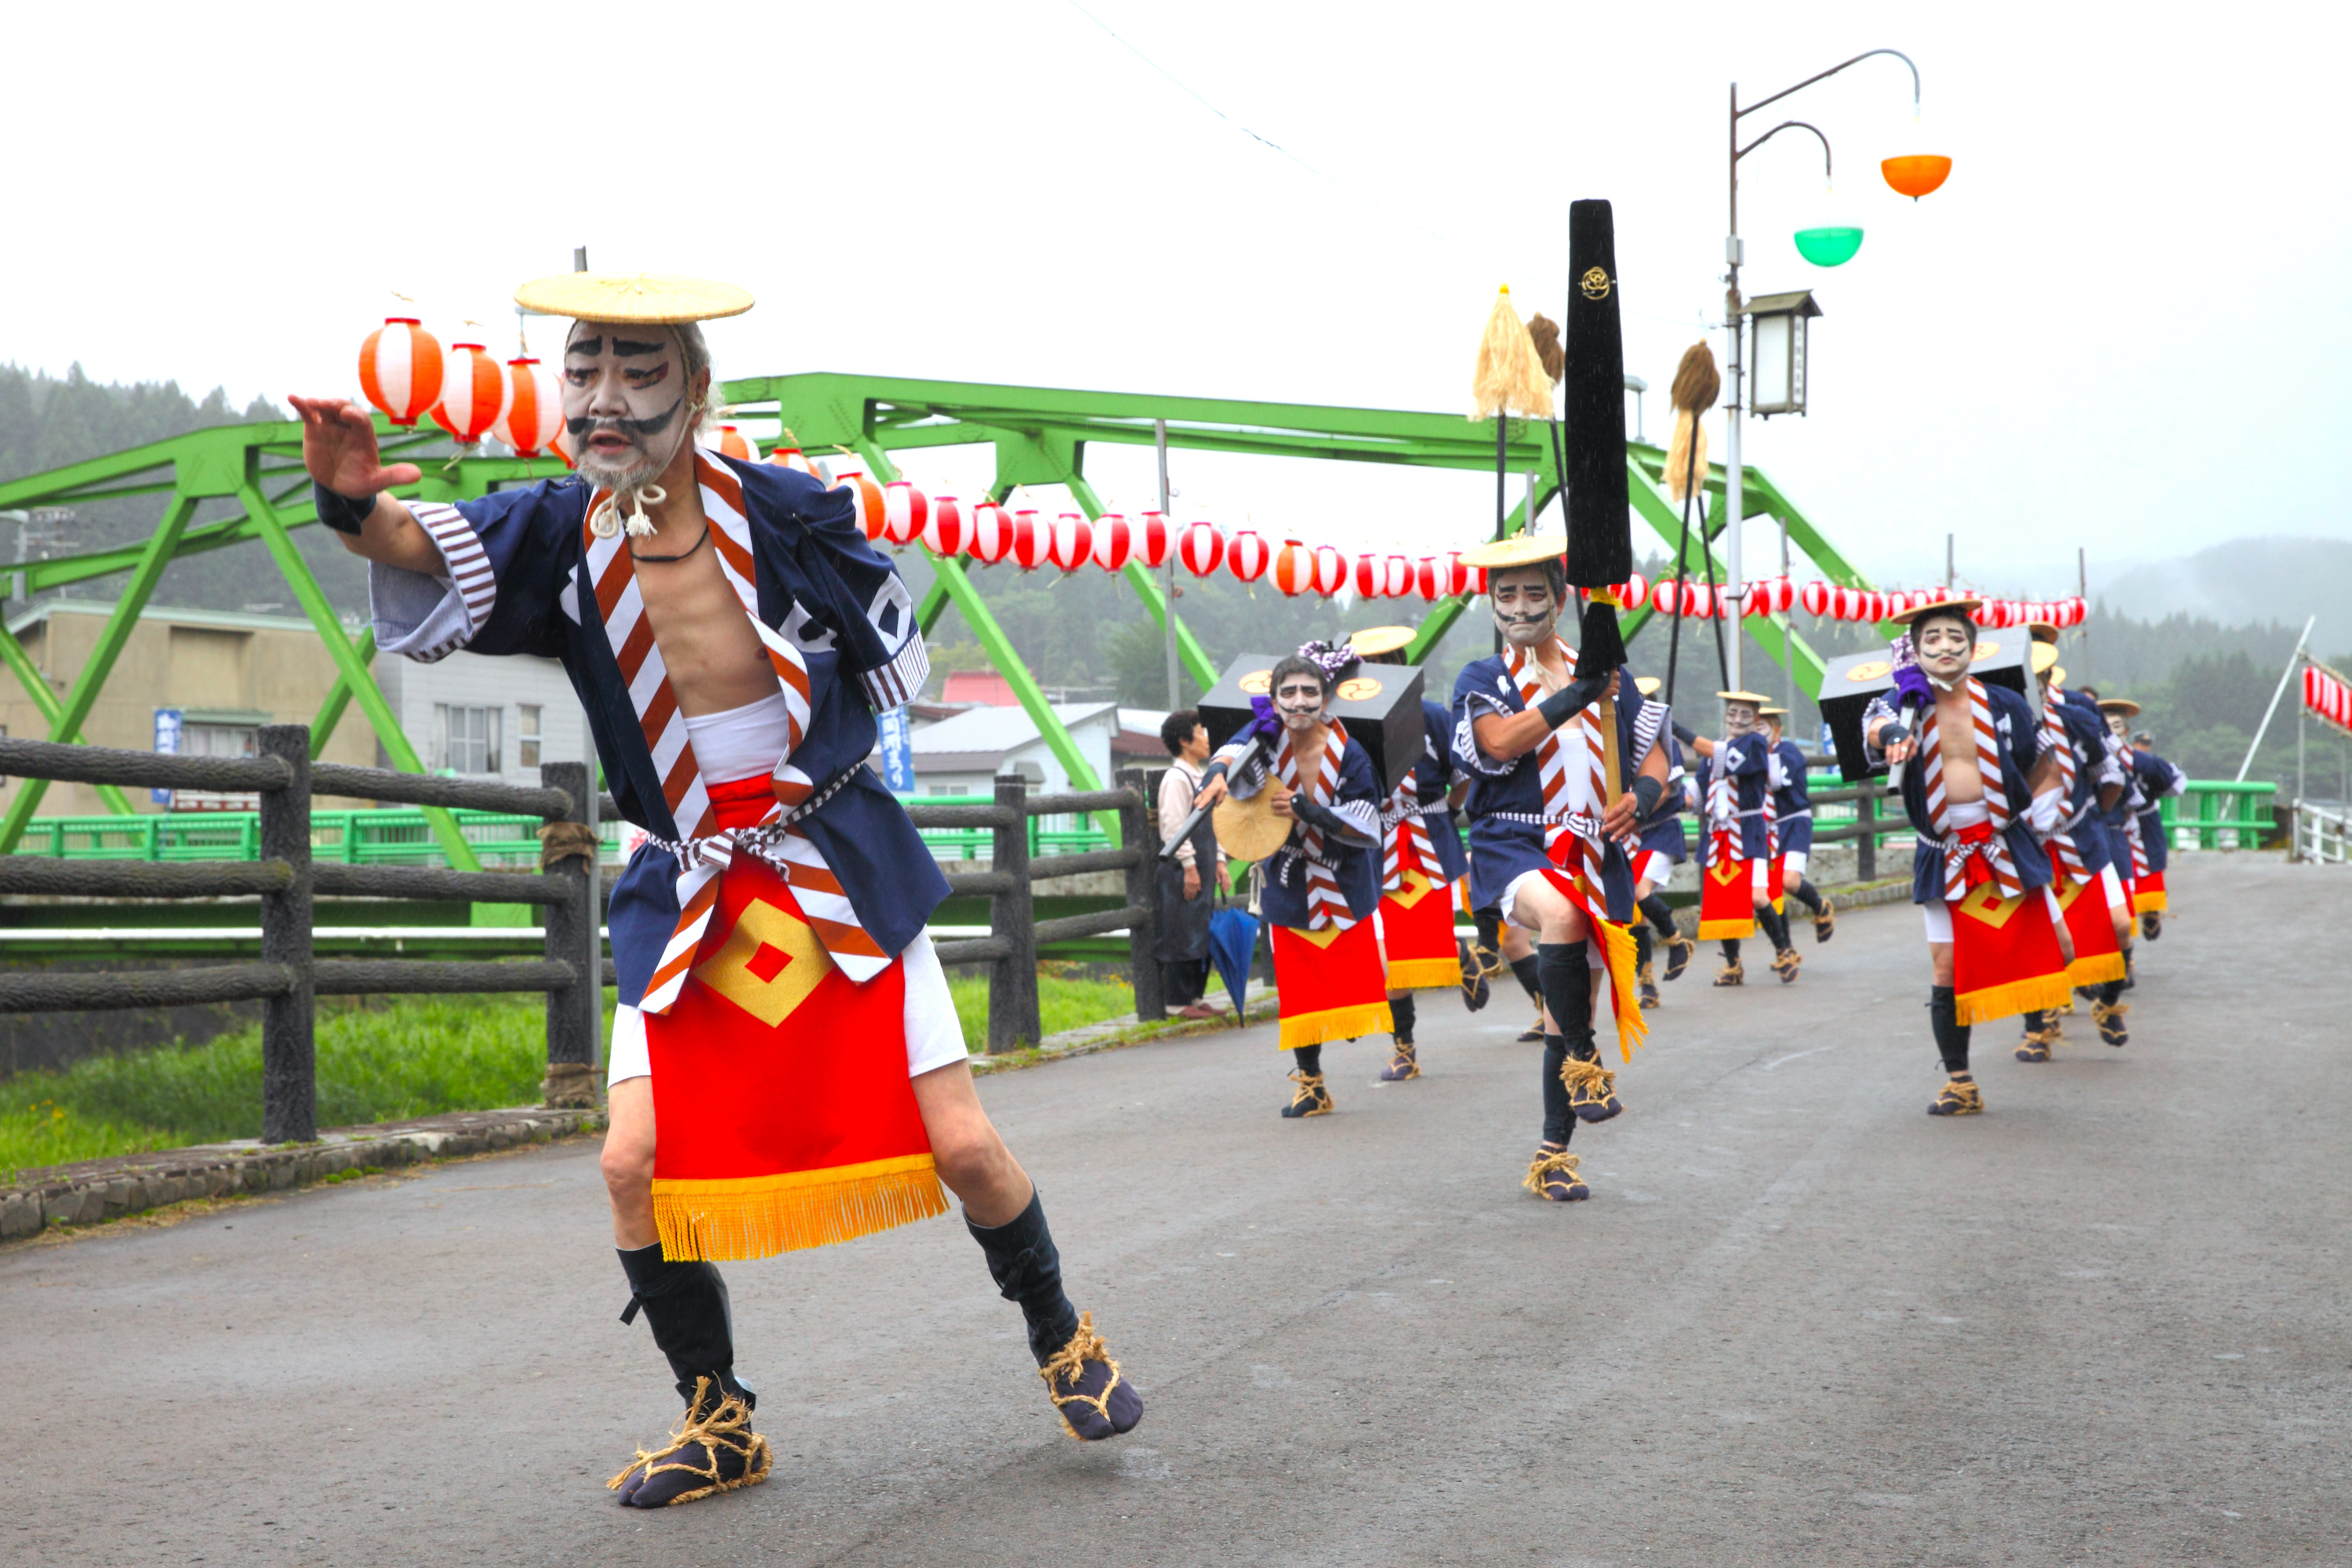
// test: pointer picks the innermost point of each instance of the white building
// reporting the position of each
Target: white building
(486, 717)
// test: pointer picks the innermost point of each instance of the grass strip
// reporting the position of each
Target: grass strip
(382, 1061)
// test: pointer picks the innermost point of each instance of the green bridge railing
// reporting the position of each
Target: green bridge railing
(2208, 815)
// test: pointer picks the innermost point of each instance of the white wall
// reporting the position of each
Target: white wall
(508, 684)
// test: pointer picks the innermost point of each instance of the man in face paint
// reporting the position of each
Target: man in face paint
(629, 401)
(1735, 797)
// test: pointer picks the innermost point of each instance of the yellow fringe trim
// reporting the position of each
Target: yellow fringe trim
(2007, 1001)
(2096, 970)
(2143, 903)
(1716, 931)
(1338, 1024)
(1618, 951)
(1425, 973)
(725, 1219)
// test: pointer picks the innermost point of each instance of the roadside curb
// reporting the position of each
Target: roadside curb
(97, 1190)
(1118, 1033)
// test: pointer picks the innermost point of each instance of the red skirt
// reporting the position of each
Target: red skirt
(1330, 984)
(1417, 928)
(2005, 956)
(1727, 893)
(2147, 894)
(784, 1115)
(2091, 924)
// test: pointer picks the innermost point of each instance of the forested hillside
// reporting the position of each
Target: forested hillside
(46, 422)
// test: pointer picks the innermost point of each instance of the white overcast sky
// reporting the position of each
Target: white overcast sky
(2119, 326)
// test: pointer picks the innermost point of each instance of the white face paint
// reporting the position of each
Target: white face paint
(1299, 701)
(625, 401)
(1525, 611)
(1738, 718)
(1944, 647)
(2118, 727)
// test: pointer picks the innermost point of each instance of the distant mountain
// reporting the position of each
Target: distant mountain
(2247, 582)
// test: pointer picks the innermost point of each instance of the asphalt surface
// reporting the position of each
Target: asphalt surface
(1800, 1321)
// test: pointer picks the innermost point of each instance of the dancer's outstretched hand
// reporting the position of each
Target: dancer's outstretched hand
(339, 451)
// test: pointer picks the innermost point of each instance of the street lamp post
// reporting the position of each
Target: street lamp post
(1734, 316)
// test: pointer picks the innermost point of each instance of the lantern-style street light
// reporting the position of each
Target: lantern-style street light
(1777, 326)
(1911, 175)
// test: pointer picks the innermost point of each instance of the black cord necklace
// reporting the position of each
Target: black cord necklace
(666, 560)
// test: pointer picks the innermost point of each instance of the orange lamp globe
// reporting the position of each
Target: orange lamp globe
(1915, 174)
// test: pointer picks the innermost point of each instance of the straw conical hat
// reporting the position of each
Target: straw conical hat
(653, 298)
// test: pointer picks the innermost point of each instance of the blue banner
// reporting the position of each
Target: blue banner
(897, 752)
(167, 744)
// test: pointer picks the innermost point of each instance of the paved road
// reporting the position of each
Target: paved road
(1800, 1323)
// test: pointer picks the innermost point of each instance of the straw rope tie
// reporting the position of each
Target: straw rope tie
(1069, 1363)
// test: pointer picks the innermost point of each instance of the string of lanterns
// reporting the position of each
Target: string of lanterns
(406, 373)
(2327, 695)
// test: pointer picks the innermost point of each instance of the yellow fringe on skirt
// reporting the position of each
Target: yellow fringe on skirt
(2156, 902)
(728, 1219)
(2009, 999)
(1425, 973)
(1618, 951)
(1338, 1024)
(2097, 971)
(1716, 931)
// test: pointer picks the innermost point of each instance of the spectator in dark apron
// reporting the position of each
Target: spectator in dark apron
(1188, 884)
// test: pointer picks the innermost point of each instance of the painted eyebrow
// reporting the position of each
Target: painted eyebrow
(628, 349)
(585, 346)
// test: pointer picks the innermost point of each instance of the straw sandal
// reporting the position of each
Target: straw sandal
(2035, 1045)
(1825, 923)
(1680, 950)
(713, 1450)
(1085, 1384)
(1592, 1088)
(1403, 1066)
(1958, 1099)
(1311, 1098)
(1648, 975)
(1786, 962)
(1731, 974)
(1552, 1176)
(2110, 1020)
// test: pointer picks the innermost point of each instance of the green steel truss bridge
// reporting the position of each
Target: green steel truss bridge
(1040, 436)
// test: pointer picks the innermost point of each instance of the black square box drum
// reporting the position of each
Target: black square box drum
(1848, 684)
(1378, 703)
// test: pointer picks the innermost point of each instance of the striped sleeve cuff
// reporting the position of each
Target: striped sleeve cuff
(468, 593)
(894, 685)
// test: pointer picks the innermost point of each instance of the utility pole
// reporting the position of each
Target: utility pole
(2284, 675)
(1949, 572)
(1168, 579)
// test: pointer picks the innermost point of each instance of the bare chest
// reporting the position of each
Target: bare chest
(1956, 738)
(712, 655)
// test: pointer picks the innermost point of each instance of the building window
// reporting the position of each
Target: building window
(467, 738)
(220, 740)
(527, 735)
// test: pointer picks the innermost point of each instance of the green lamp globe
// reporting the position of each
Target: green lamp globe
(1831, 246)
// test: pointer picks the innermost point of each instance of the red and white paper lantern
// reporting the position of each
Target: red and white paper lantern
(1293, 568)
(534, 412)
(1153, 540)
(904, 510)
(948, 531)
(1330, 570)
(473, 392)
(400, 369)
(991, 533)
(1114, 544)
(1247, 555)
(732, 443)
(1203, 548)
(1073, 541)
(865, 501)
(1033, 540)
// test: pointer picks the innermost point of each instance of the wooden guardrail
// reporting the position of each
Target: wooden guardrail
(287, 977)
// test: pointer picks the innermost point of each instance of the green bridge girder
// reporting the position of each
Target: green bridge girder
(1040, 437)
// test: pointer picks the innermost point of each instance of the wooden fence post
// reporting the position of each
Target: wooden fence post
(574, 1012)
(1013, 1020)
(1866, 838)
(1138, 828)
(290, 1088)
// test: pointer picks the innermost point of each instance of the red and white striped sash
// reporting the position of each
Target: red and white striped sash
(1327, 907)
(1570, 767)
(2131, 833)
(1405, 839)
(705, 849)
(1972, 858)
(2065, 853)
(1722, 807)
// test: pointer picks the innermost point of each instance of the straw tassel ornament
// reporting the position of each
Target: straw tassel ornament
(1508, 377)
(1696, 387)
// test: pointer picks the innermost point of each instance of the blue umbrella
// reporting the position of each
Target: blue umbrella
(1232, 944)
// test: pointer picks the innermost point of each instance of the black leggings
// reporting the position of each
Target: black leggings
(1951, 1035)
